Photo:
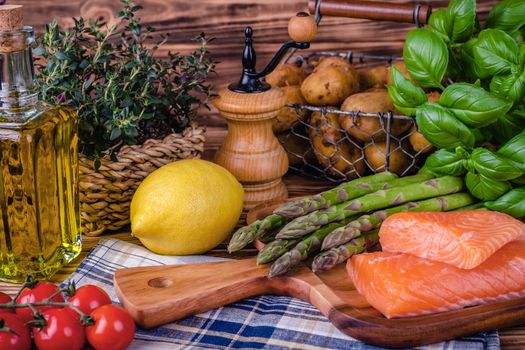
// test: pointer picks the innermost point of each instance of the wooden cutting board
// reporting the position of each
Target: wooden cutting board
(160, 294)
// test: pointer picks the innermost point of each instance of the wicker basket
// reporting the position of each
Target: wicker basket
(106, 193)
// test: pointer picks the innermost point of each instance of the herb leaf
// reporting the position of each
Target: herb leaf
(495, 52)
(512, 203)
(442, 129)
(507, 15)
(463, 17)
(473, 105)
(404, 94)
(426, 57)
(485, 188)
(493, 165)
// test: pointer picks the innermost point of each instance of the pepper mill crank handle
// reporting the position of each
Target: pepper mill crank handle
(278, 57)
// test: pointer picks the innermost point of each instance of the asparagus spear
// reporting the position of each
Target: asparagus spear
(369, 222)
(247, 234)
(373, 201)
(327, 260)
(342, 193)
(301, 251)
(349, 190)
(275, 249)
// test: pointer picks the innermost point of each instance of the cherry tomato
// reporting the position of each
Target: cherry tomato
(114, 328)
(61, 331)
(40, 292)
(20, 339)
(88, 298)
(5, 299)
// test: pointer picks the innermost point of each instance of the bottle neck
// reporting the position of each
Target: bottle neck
(17, 91)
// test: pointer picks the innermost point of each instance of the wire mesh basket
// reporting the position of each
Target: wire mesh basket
(339, 145)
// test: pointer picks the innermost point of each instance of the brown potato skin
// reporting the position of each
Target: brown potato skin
(285, 74)
(368, 128)
(402, 67)
(375, 154)
(375, 77)
(297, 149)
(345, 67)
(326, 87)
(337, 156)
(418, 142)
(287, 116)
(327, 126)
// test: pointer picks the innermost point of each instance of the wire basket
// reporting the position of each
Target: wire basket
(318, 146)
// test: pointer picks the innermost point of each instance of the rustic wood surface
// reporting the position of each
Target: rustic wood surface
(226, 19)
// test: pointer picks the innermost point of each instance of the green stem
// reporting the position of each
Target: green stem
(373, 201)
(369, 222)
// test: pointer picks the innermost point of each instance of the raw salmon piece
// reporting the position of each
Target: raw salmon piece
(463, 238)
(399, 284)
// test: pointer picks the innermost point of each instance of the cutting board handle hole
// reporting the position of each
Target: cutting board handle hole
(160, 282)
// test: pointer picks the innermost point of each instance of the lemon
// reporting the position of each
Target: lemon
(186, 207)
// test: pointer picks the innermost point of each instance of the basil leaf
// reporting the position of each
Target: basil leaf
(519, 180)
(473, 105)
(510, 87)
(522, 57)
(485, 188)
(404, 94)
(441, 23)
(514, 150)
(493, 165)
(507, 15)
(443, 162)
(469, 64)
(426, 57)
(512, 203)
(495, 51)
(441, 128)
(507, 126)
(463, 16)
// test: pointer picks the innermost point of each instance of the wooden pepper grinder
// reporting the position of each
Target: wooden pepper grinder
(251, 152)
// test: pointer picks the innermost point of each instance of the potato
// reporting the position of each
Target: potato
(417, 140)
(433, 96)
(338, 158)
(402, 67)
(373, 77)
(368, 128)
(297, 148)
(285, 74)
(287, 116)
(344, 66)
(327, 126)
(376, 156)
(326, 87)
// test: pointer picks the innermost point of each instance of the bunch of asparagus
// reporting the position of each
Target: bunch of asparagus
(344, 221)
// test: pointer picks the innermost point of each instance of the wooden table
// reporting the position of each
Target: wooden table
(511, 338)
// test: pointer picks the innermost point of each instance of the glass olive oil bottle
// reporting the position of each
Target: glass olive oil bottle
(39, 200)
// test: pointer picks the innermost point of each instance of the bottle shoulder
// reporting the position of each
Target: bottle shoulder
(41, 113)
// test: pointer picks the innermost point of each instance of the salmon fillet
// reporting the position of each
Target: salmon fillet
(399, 284)
(464, 239)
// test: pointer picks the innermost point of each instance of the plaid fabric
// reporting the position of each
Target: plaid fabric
(269, 322)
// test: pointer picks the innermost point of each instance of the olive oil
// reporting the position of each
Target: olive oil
(39, 200)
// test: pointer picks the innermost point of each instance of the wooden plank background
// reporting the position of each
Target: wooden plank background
(226, 19)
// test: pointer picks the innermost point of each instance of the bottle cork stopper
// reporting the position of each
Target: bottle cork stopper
(11, 17)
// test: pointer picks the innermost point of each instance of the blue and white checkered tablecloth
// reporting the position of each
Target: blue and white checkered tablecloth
(265, 322)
